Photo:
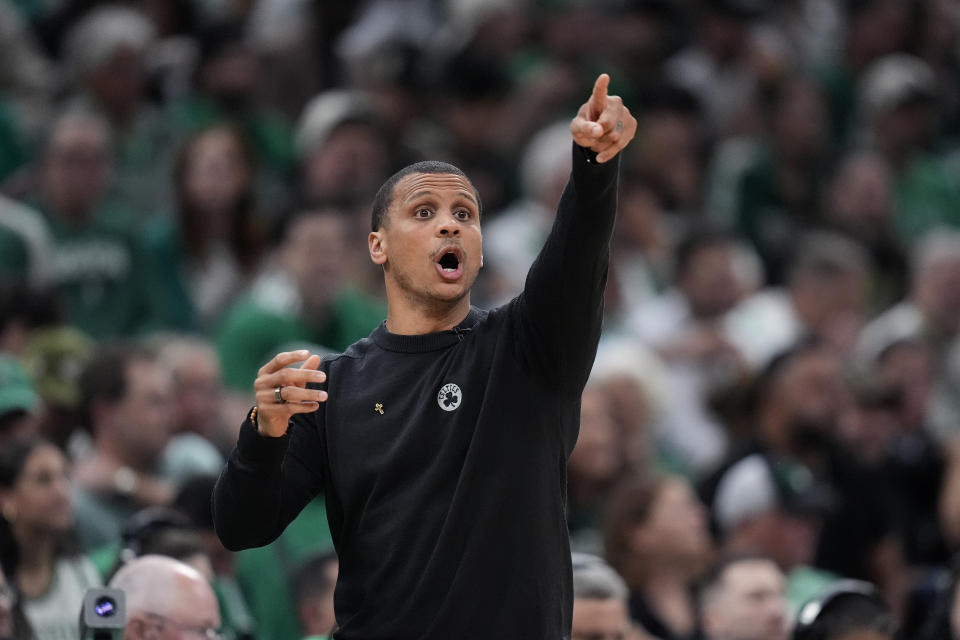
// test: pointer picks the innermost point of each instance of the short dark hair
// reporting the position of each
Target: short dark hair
(105, 376)
(384, 197)
(700, 238)
(848, 606)
(717, 572)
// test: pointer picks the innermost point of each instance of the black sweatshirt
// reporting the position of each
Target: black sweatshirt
(442, 457)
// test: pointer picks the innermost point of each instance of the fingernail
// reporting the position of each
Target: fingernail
(302, 352)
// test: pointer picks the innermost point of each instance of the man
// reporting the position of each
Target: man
(744, 598)
(92, 254)
(128, 410)
(599, 601)
(166, 600)
(440, 441)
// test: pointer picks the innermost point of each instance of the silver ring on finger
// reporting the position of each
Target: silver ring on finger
(278, 395)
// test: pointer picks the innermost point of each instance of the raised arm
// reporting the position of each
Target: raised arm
(561, 307)
(275, 468)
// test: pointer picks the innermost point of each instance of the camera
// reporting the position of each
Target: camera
(103, 615)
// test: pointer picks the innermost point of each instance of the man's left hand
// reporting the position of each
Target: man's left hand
(603, 124)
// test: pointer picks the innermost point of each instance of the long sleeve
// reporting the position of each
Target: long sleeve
(267, 482)
(560, 311)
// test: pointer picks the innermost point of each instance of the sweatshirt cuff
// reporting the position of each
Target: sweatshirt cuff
(584, 157)
(259, 449)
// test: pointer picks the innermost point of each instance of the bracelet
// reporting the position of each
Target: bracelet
(253, 417)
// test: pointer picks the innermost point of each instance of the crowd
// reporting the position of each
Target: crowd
(185, 189)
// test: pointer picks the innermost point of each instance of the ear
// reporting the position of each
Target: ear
(377, 244)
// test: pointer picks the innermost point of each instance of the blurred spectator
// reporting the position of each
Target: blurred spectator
(775, 195)
(37, 518)
(204, 256)
(19, 402)
(105, 52)
(227, 78)
(875, 28)
(655, 536)
(908, 466)
(96, 264)
(776, 509)
(847, 610)
(931, 314)
(743, 597)
(128, 410)
(859, 203)
(305, 301)
(799, 402)
(771, 508)
(825, 298)
(684, 326)
(55, 357)
(642, 256)
(597, 461)
(168, 597)
(717, 65)
(599, 601)
(632, 378)
(198, 392)
(471, 99)
(342, 153)
(670, 156)
(897, 99)
(312, 587)
(193, 501)
(514, 236)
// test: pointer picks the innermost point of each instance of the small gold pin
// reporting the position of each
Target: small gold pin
(378, 408)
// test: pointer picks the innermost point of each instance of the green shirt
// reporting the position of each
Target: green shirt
(96, 268)
(252, 333)
(264, 572)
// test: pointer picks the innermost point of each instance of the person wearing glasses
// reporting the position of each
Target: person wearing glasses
(167, 600)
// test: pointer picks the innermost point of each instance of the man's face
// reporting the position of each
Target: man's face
(144, 416)
(314, 253)
(750, 604)
(600, 619)
(191, 613)
(76, 167)
(710, 281)
(430, 244)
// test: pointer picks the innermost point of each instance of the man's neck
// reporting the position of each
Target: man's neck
(405, 317)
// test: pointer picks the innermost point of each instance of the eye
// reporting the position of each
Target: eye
(462, 214)
(422, 213)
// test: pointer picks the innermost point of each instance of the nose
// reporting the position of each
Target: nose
(448, 227)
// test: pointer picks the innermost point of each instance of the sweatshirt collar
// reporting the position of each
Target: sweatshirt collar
(426, 341)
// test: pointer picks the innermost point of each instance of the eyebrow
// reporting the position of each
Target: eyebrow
(424, 194)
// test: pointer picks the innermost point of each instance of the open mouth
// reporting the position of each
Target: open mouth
(449, 263)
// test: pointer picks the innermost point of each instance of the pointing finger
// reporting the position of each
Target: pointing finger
(598, 99)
